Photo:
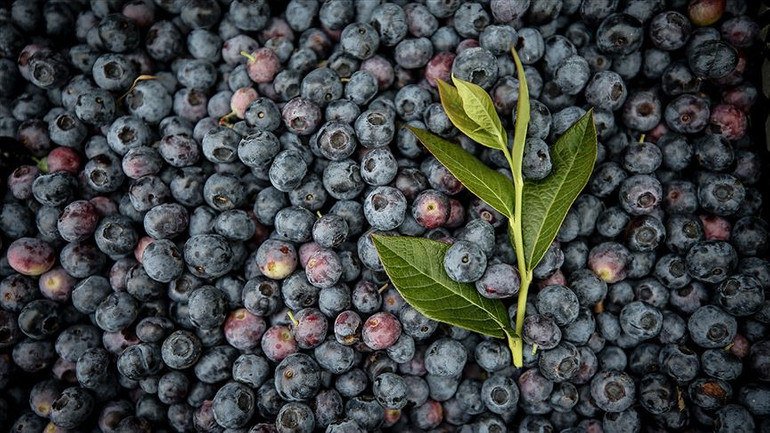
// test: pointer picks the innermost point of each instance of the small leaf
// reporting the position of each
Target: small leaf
(522, 119)
(545, 202)
(479, 120)
(489, 185)
(453, 106)
(416, 268)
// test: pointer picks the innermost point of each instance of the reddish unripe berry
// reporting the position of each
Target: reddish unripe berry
(381, 330)
(241, 99)
(263, 65)
(141, 246)
(486, 212)
(439, 68)
(309, 328)
(729, 121)
(557, 279)
(706, 12)
(278, 343)
(465, 44)
(657, 132)
(116, 342)
(381, 69)
(456, 214)
(31, 256)
(609, 261)
(104, 206)
(716, 228)
(56, 284)
(429, 415)
(323, 268)
(276, 259)
(20, 181)
(431, 209)
(740, 346)
(306, 250)
(740, 31)
(64, 159)
(78, 221)
(276, 28)
(391, 417)
(742, 96)
(243, 330)
(140, 12)
(64, 371)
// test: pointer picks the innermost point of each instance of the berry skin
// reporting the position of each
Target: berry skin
(541, 330)
(297, 377)
(641, 320)
(309, 328)
(276, 259)
(609, 261)
(613, 391)
(30, 256)
(380, 331)
(390, 390)
(500, 281)
(278, 343)
(465, 262)
(243, 330)
(323, 268)
(347, 328)
(640, 194)
(233, 405)
(431, 209)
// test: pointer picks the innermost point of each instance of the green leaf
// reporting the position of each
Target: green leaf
(479, 119)
(453, 106)
(522, 119)
(416, 267)
(545, 202)
(489, 185)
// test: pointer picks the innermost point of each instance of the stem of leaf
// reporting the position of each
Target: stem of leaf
(526, 279)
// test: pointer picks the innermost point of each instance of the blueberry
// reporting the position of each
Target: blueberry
(541, 330)
(476, 65)
(208, 255)
(465, 262)
(73, 407)
(711, 58)
(560, 302)
(385, 207)
(613, 391)
(560, 363)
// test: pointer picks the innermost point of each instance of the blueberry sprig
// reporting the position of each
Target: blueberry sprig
(431, 275)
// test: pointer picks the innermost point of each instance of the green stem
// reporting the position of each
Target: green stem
(517, 345)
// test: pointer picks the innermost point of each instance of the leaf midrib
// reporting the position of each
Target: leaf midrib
(508, 209)
(572, 157)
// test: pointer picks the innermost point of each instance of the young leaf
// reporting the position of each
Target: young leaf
(416, 267)
(489, 185)
(546, 202)
(478, 107)
(453, 106)
(522, 119)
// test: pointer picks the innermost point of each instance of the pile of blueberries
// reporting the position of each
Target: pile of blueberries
(191, 187)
